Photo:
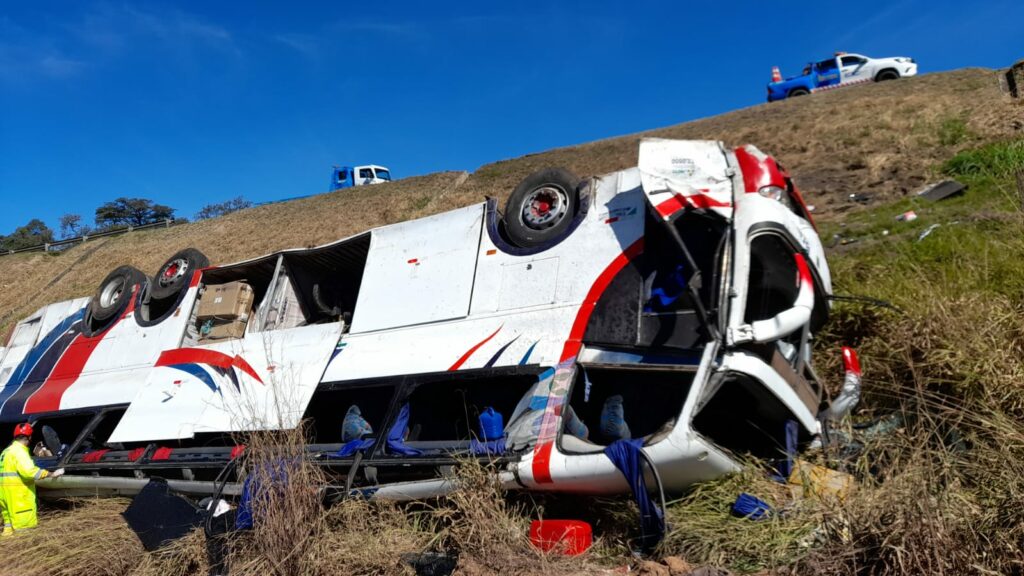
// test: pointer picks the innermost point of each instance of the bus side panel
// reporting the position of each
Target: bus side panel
(420, 271)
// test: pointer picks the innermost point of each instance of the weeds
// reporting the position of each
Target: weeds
(953, 131)
(998, 160)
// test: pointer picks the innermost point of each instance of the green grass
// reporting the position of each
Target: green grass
(953, 131)
(997, 160)
(991, 198)
(702, 527)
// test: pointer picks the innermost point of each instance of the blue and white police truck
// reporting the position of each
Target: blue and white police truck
(843, 69)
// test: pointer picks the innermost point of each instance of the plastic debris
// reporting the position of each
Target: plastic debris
(924, 233)
(860, 198)
(569, 537)
(821, 481)
(750, 507)
(908, 216)
(492, 426)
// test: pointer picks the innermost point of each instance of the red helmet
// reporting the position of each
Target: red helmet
(24, 429)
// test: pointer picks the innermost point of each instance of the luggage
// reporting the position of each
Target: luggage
(223, 311)
(226, 302)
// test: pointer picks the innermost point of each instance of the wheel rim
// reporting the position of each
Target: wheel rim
(544, 207)
(172, 271)
(111, 292)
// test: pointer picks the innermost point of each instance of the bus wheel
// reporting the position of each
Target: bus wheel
(114, 293)
(176, 273)
(541, 207)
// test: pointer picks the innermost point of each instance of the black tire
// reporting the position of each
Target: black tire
(176, 274)
(115, 291)
(798, 92)
(888, 74)
(542, 207)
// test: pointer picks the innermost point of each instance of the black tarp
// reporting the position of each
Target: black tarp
(158, 517)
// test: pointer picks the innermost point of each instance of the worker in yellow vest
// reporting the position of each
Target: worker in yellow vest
(18, 475)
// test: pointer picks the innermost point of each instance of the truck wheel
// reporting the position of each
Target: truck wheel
(887, 75)
(541, 207)
(798, 92)
(176, 273)
(114, 292)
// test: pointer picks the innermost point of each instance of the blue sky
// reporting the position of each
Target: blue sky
(189, 103)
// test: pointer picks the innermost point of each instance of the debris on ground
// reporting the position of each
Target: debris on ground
(942, 190)
(860, 198)
(750, 507)
(431, 563)
(812, 479)
(908, 216)
(569, 537)
(924, 233)
(848, 445)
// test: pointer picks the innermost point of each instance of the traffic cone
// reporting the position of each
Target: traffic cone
(776, 75)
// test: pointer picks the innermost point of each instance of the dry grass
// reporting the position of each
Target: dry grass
(91, 537)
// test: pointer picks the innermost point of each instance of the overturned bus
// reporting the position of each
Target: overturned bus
(673, 303)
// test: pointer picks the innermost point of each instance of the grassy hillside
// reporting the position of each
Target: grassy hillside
(883, 139)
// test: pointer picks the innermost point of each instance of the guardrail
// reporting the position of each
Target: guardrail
(48, 246)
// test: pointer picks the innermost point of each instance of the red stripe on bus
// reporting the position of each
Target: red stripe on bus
(542, 452)
(69, 367)
(579, 326)
(542, 463)
(202, 356)
(678, 201)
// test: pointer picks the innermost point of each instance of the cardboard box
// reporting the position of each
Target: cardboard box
(226, 302)
(233, 329)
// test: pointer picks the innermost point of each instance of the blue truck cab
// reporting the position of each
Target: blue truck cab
(814, 75)
(349, 176)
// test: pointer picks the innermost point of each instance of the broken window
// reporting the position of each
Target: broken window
(344, 414)
(294, 289)
(745, 417)
(446, 414)
(58, 433)
(612, 403)
(650, 302)
(26, 332)
(772, 285)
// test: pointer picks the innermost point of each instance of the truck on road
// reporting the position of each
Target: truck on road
(844, 69)
(349, 176)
